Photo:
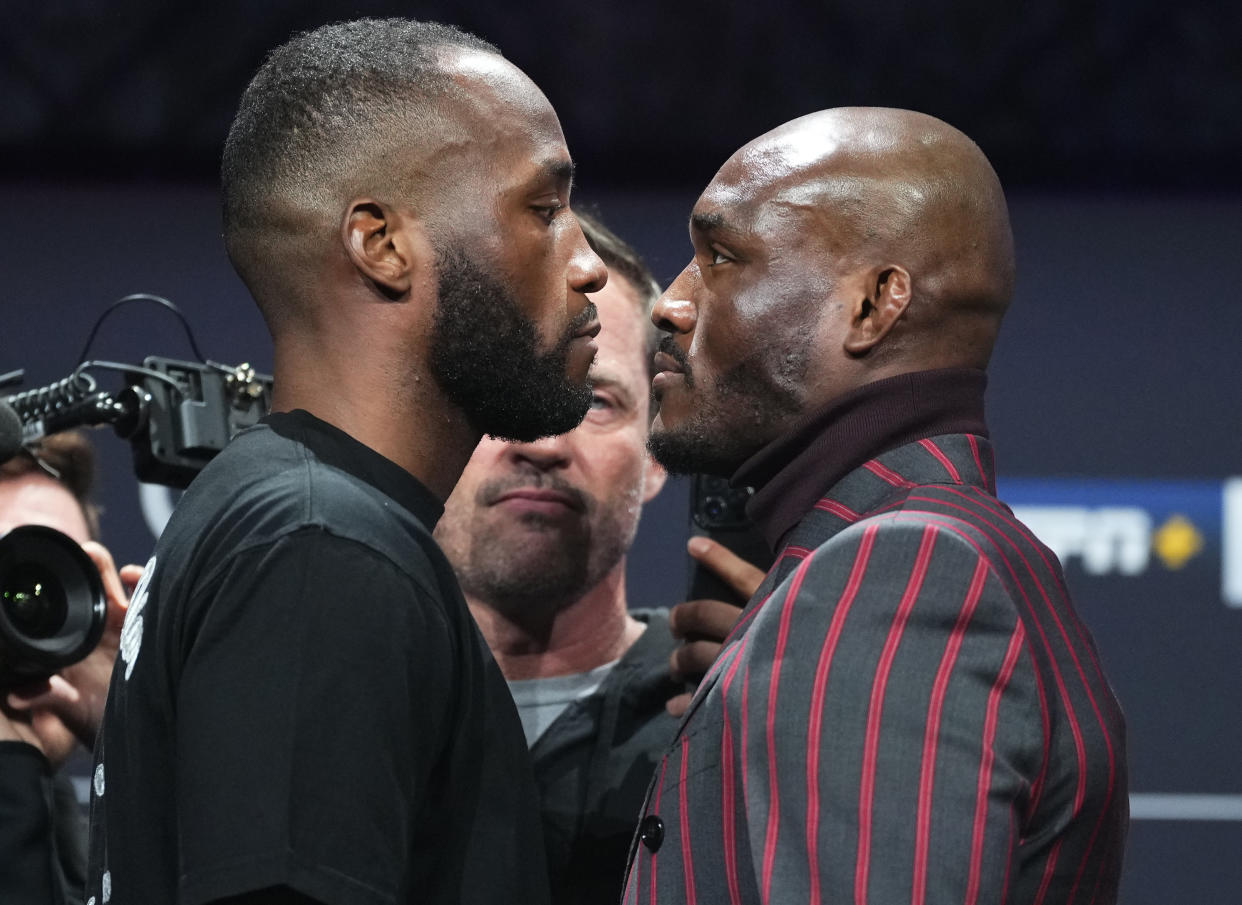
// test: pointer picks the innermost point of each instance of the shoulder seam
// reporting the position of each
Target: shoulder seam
(211, 578)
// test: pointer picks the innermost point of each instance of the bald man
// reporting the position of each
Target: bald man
(909, 709)
(302, 709)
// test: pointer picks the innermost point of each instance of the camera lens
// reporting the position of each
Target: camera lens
(52, 604)
(34, 600)
(715, 507)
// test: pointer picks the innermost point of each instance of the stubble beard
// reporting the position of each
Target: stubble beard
(740, 412)
(531, 571)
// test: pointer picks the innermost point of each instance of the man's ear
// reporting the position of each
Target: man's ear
(653, 479)
(888, 295)
(382, 244)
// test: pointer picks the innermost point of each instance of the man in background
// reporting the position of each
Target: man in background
(42, 827)
(538, 535)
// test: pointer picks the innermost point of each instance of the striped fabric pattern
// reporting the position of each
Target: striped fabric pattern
(909, 710)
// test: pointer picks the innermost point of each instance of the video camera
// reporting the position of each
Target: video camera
(176, 415)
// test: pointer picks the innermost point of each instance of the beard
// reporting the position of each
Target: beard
(735, 415)
(532, 567)
(485, 356)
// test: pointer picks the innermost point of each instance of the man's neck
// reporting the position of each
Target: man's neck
(593, 630)
(407, 420)
(793, 471)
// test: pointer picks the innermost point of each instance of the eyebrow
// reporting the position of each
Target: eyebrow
(706, 223)
(561, 171)
(611, 381)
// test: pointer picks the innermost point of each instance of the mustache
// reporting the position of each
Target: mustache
(491, 491)
(584, 317)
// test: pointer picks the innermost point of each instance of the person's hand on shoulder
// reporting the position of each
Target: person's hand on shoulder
(67, 708)
(704, 624)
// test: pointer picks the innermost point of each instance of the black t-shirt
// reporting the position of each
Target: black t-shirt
(302, 698)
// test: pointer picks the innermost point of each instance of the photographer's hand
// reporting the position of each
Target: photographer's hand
(704, 624)
(68, 707)
(15, 727)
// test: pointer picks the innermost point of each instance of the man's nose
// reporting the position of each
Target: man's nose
(587, 271)
(675, 310)
(545, 453)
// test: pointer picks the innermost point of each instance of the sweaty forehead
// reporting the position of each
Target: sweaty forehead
(808, 171)
(778, 159)
(490, 87)
(496, 135)
(763, 188)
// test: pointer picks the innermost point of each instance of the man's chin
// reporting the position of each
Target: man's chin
(675, 413)
(679, 454)
(528, 571)
(528, 537)
(578, 362)
(544, 420)
(527, 407)
(684, 450)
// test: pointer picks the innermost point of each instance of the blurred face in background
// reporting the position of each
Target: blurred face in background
(535, 525)
(38, 499)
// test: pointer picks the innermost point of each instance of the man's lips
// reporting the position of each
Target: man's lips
(666, 362)
(588, 331)
(539, 497)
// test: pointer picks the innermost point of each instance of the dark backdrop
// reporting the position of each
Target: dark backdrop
(1116, 93)
(1113, 399)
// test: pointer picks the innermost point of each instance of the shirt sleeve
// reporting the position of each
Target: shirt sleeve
(312, 708)
(902, 727)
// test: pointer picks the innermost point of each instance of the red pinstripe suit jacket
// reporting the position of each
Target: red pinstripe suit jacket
(908, 711)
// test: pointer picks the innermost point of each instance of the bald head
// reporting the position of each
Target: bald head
(883, 187)
(843, 248)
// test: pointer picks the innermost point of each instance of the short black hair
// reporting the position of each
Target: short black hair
(318, 104)
(622, 260)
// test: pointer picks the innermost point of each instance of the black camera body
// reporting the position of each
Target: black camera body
(191, 415)
(176, 414)
(718, 511)
(52, 604)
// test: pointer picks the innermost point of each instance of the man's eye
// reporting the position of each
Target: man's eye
(548, 212)
(719, 257)
(600, 403)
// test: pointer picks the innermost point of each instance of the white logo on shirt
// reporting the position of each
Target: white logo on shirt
(131, 632)
(99, 781)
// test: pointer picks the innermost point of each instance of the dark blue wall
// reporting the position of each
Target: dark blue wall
(1118, 361)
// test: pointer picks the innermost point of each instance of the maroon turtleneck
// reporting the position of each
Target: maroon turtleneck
(794, 471)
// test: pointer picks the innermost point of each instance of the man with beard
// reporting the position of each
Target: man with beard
(909, 709)
(302, 709)
(538, 534)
